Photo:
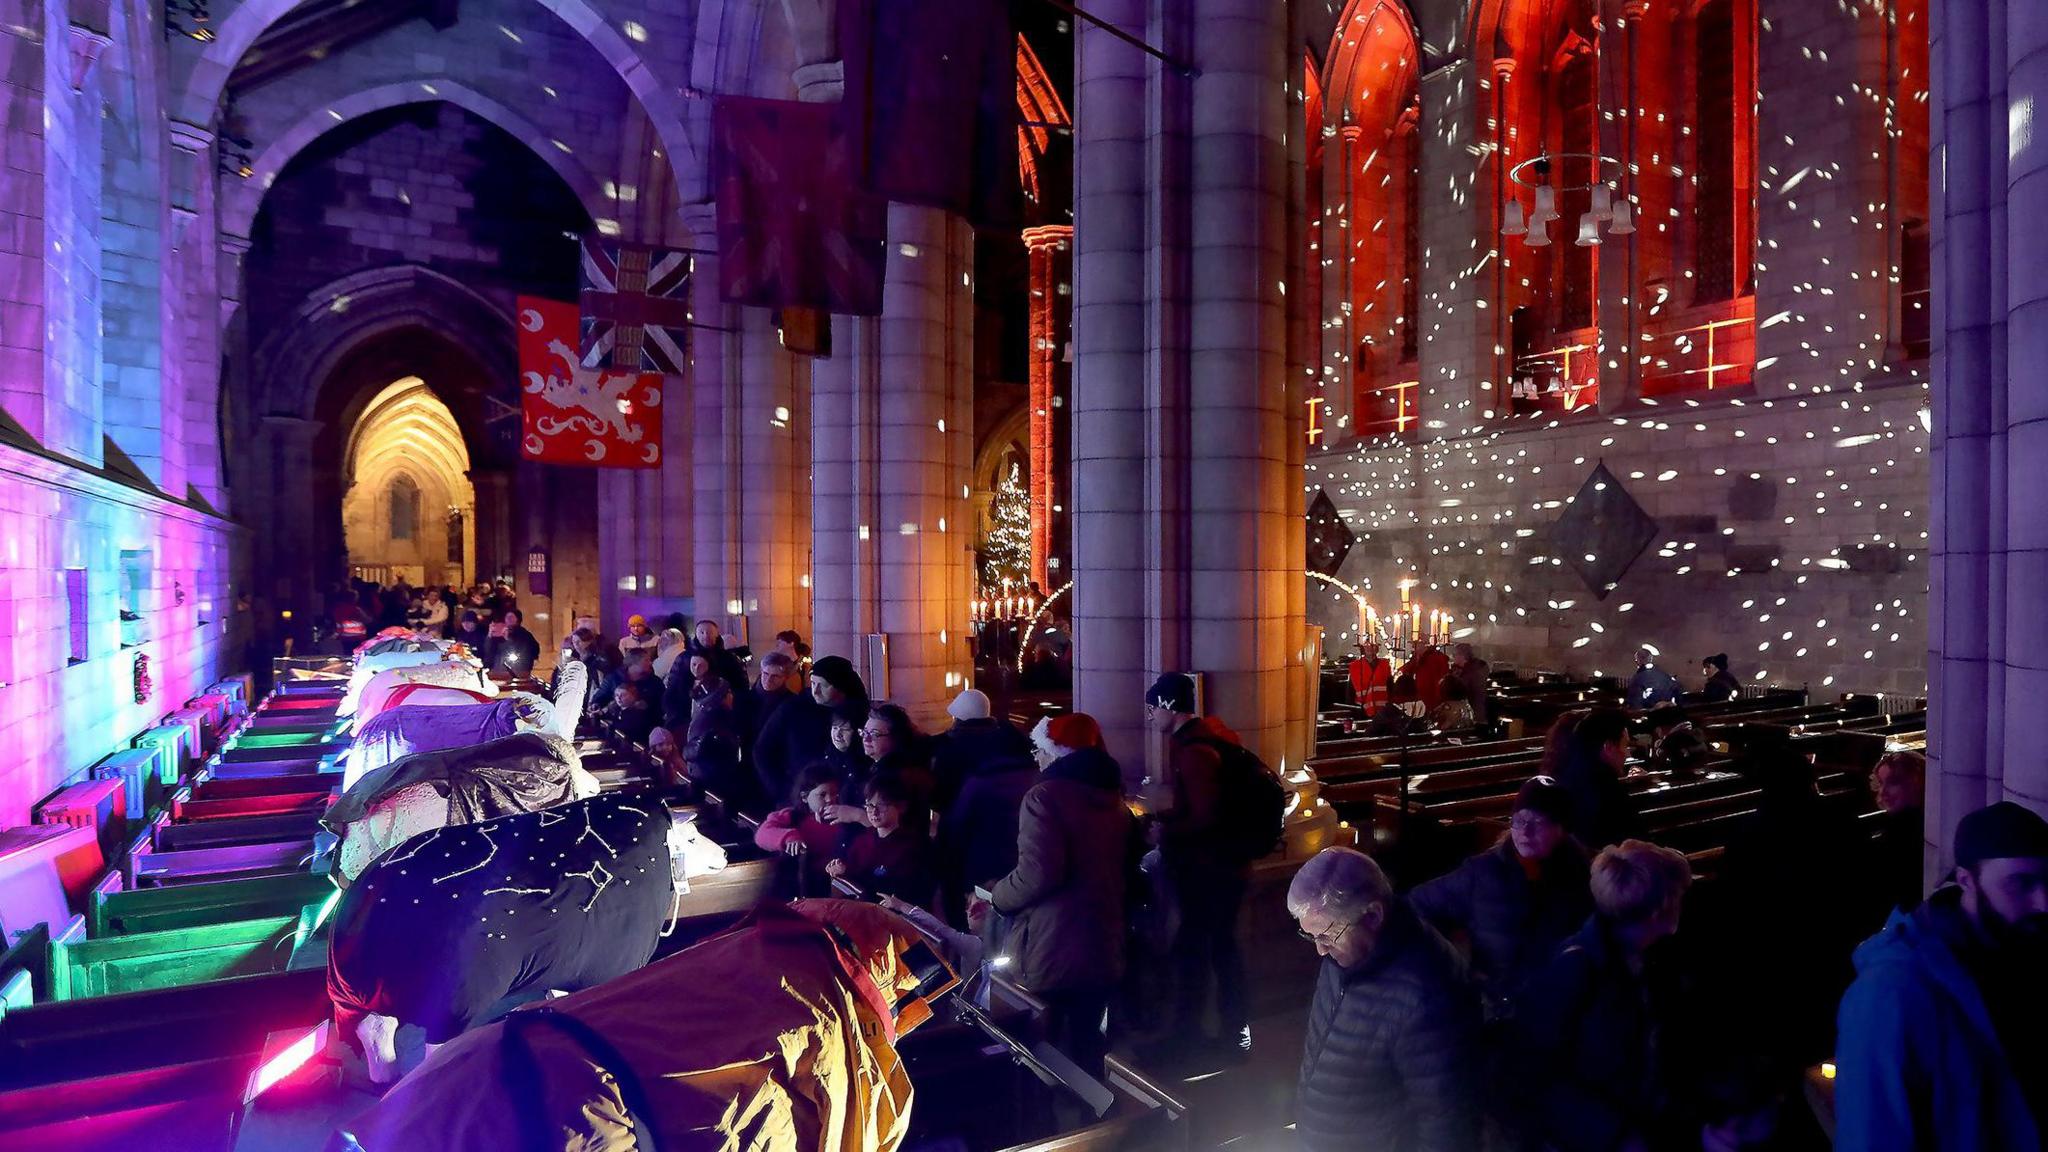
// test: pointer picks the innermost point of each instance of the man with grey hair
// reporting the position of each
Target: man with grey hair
(1391, 1045)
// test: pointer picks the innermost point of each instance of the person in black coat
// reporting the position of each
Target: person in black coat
(1595, 759)
(977, 840)
(1518, 900)
(1721, 683)
(753, 706)
(1795, 874)
(801, 730)
(1390, 1052)
(514, 653)
(1587, 1062)
(1898, 851)
(976, 737)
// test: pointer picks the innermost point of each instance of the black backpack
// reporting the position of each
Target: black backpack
(1254, 803)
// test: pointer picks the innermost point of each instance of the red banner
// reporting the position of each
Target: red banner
(577, 415)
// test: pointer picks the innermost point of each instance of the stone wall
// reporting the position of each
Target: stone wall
(67, 693)
(1792, 515)
(425, 184)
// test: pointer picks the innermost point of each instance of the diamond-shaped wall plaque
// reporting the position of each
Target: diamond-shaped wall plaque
(1603, 532)
(1329, 538)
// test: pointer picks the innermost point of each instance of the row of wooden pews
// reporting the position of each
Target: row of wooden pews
(1425, 801)
(149, 999)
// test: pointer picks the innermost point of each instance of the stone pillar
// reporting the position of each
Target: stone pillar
(891, 522)
(768, 435)
(749, 408)
(494, 555)
(1988, 630)
(1109, 499)
(285, 548)
(195, 313)
(1048, 246)
(1238, 491)
(1182, 464)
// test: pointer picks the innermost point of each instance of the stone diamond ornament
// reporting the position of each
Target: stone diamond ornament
(1602, 532)
(1329, 538)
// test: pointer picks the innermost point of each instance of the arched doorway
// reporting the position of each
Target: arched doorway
(409, 510)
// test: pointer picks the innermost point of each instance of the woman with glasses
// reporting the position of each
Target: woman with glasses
(893, 746)
(1513, 904)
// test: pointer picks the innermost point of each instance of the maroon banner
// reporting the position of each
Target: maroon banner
(795, 229)
(577, 415)
(931, 104)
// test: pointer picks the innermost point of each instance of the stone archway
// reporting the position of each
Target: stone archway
(241, 200)
(661, 98)
(304, 395)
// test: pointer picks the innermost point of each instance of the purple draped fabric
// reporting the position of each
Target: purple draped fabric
(411, 728)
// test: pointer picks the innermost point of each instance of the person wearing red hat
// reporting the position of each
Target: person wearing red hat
(1066, 894)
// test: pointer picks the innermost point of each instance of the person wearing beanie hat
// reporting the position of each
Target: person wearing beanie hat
(1066, 893)
(800, 730)
(1944, 1035)
(1721, 683)
(1518, 900)
(981, 770)
(1209, 879)
(638, 638)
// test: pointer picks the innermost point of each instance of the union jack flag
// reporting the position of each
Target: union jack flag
(636, 307)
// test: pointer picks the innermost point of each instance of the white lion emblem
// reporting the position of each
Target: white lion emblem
(596, 402)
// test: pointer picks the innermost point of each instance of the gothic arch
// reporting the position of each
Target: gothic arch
(242, 199)
(1369, 148)
(199, 99)
(340, 316)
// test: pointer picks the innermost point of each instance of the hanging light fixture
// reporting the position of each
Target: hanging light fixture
(1515, 224)
(1604, 206)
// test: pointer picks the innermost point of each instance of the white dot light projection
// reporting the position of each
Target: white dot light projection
(1767, 408)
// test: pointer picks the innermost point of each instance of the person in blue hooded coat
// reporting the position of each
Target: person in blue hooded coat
(1944, 1035)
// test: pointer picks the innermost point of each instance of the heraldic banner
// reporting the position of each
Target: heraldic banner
(577, 415)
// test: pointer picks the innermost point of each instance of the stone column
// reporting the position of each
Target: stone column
(749, 411)
(770, 501)
(1109, 499)
(1184, 555)
(1988, 631)
(195, 313)
(1048, 246)
(1238, 485)
(494, 554)
(285, 549)
(893, 532)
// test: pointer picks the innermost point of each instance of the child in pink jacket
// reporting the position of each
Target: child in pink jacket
(801, 829)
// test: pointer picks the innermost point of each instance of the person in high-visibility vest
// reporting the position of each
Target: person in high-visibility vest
(1370, 677)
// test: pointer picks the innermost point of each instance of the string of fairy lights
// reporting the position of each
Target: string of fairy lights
(1834, 423)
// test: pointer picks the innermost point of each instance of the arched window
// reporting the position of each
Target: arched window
(1369, 219)
(1724, 148)
(1577, 108)
(405, 508)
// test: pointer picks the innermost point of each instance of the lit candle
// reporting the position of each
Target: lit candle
(1414, 621)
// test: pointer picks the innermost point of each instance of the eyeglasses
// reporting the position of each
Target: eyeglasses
(869, 735)
(1325, 937)
(1530, 823)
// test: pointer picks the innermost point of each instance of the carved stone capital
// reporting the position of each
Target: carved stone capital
(190, 137)
(86, 46)
(821, 83)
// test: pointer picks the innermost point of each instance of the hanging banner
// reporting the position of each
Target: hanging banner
(577, 415)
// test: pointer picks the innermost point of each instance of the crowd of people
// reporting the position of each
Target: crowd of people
(1565, 989)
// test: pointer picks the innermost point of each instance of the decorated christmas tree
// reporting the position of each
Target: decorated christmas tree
(1006, 551)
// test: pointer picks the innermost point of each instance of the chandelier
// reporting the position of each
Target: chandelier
(1606, 208)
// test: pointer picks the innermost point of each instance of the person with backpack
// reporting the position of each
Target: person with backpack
(1224, 812)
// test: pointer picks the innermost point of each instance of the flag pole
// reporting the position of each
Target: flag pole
(1178, 65)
